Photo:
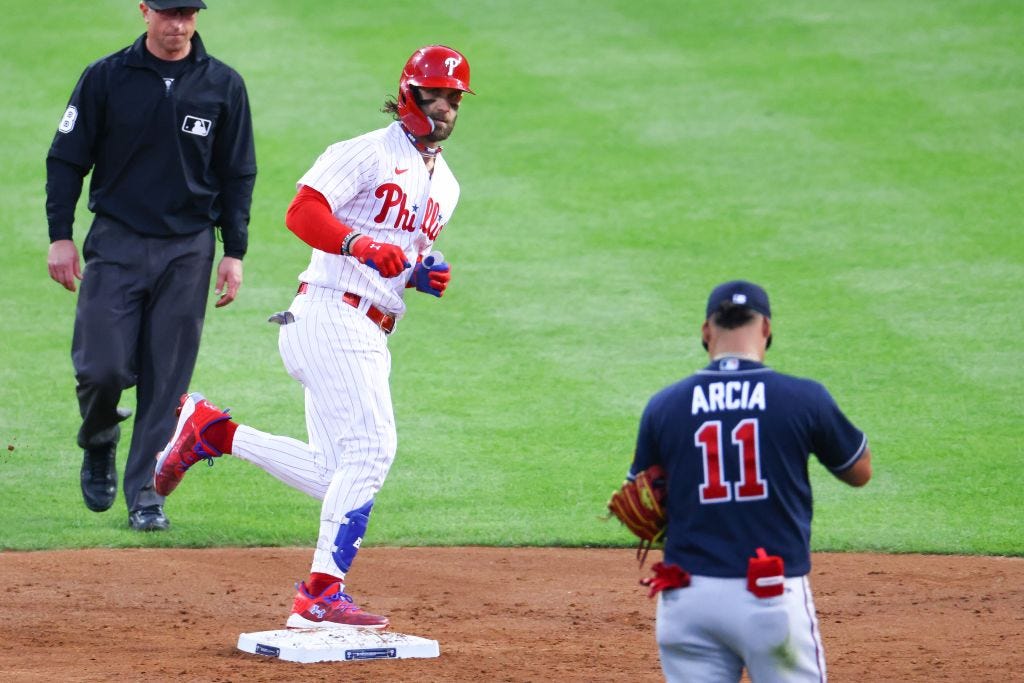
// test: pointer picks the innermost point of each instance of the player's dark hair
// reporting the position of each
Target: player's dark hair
(729, 316)
(391, 104)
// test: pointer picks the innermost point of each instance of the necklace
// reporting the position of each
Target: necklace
(420, 147)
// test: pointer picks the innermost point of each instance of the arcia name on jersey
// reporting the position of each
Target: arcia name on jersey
(731, 395)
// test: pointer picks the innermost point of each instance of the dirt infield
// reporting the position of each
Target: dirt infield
(540, 614)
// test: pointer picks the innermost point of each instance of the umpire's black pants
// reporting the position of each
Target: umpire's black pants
(138, 322)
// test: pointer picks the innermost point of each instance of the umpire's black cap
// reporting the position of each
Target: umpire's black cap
(739, 293)
(175, 4)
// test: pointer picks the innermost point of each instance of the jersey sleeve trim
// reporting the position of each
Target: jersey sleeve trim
(853, 459)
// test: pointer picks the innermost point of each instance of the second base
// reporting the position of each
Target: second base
(336, 645)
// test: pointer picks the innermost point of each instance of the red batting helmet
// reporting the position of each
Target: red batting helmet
(433, 66)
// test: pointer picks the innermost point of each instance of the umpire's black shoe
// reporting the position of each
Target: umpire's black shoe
(99, 477)
(149, 518)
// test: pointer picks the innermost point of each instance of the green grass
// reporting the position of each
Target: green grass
(863, 161)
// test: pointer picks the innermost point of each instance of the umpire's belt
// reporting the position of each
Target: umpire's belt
(385, 321)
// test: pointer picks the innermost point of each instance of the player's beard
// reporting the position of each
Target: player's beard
(442, 129)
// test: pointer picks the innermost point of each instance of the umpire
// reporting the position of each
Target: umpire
(166, 131)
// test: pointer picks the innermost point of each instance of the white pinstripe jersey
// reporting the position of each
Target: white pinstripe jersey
(378, 185)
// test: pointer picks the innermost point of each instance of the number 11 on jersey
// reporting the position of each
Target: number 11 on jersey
(715, 488)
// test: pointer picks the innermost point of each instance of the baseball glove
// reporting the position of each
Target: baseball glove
(638, 505)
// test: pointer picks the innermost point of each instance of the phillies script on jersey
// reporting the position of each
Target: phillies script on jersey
(395, 197)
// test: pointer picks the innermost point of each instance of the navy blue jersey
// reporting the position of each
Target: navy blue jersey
(735, 440)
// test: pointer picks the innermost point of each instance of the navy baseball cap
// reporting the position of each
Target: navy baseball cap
(175, 4)
(739, 293)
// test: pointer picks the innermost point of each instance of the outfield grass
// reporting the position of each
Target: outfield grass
(863, 161)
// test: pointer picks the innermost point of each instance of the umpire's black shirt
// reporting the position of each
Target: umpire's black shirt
(170, 145)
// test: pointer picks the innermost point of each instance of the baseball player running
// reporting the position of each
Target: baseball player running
(734, 441)
(371, 208)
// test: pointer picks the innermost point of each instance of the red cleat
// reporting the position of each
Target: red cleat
(331, 609)
(187, 446)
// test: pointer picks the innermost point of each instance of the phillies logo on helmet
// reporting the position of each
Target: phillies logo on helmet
(433, 66)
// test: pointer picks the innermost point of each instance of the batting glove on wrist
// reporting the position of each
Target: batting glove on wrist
(388, 259)
(432, 275)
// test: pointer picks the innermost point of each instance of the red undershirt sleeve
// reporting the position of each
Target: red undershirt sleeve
(309, 216)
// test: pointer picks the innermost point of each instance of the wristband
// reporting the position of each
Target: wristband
(346, 244)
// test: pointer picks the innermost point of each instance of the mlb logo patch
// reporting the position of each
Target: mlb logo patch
(67, 122)
(196, 126)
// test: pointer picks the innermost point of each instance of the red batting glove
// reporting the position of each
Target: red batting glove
(388, 259)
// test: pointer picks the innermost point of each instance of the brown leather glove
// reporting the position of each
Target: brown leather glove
(638, 505)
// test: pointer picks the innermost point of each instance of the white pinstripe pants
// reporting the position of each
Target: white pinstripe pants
(342, 360)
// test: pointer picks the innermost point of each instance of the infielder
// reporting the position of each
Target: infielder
(371, 208)
(734, 441)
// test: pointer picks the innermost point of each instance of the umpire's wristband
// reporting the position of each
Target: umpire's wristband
(346, 244)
